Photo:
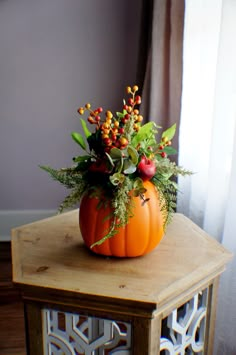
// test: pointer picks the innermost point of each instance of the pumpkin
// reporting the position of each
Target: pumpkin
(142, 234)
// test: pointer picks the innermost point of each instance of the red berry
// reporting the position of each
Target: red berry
(138, 100)
(130, 101)
(121, 130)
(99, 109)
(163, 154)
(124, 120)
(107, 141)
(125, 107)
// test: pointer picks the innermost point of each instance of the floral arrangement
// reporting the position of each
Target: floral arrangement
(119, 155)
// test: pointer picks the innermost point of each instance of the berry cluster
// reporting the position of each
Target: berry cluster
(116, 131)
(164, 143)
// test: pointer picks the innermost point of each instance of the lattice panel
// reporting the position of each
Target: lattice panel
(72, 334)
(183, 330)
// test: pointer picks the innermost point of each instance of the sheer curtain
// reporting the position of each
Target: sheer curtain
(207, 140)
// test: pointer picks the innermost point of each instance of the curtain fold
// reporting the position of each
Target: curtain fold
(199, 86)
(162, 85)
(207, 141)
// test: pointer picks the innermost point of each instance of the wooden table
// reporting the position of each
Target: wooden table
(79, 303)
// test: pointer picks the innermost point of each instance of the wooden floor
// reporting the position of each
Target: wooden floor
(12, 336)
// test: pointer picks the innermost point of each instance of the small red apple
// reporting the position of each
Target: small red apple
(146, 168)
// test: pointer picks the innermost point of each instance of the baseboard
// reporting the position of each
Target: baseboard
(15, 218)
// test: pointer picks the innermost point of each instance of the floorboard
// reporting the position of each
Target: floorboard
(12, 333)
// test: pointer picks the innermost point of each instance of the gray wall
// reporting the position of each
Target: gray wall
(56, 55)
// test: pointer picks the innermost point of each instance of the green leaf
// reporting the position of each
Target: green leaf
(170, 150)
(143, 133)
(120, 114)
(85, 128)
(81, 158)
(78, 138)
(170, 132)
(133, 154)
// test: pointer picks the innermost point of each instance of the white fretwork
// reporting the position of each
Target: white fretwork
(66, 333)
(186, 328)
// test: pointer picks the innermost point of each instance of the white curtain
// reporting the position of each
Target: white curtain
(207, 141)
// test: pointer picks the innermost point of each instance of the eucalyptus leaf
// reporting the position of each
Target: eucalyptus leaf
(129, 167)
(133, 154)
(110, 159)
(115, 153)
(78, 138)
(117, 179)
(138, 183)
(119, 165)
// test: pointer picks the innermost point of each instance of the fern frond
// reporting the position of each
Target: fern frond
(67, 177)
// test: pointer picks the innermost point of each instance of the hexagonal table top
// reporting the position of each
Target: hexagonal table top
(51, 254)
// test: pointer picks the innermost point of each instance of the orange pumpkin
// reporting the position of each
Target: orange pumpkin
(142, 234)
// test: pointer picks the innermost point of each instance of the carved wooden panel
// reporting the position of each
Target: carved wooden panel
(183, 331)
(66, 333)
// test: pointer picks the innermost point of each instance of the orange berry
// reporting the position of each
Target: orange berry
(108, 120)
(123, 141)
(115, 130)
(116, 124)
(135, 88)
(91, 120)
(109, 114)
(140, 118)
(80, 110)
(136, 111)
(129, 109)
(128, 89)
(105, 125)
(104, 136)
(88, 105)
